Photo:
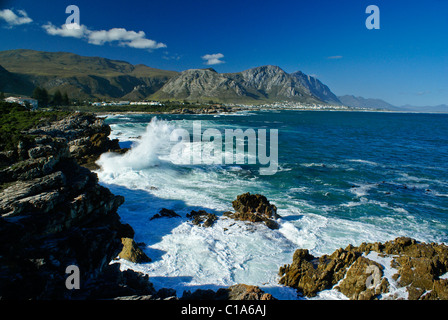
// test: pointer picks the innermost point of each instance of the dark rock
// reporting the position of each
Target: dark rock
(165, 213)
(235, 292)
(53, 214)
(254, 208)
(121, 285)
(85, 134)
(202, 217)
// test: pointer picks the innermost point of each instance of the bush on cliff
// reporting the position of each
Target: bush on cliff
(15, 118)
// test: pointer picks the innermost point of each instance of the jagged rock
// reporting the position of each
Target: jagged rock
(165, 213)
(419, 267)
(202, 217)
(247, 292)
(357, 286)
(122, 285)
(254, 208)
(310, 275)
(86, 135)
(132, 252)
(53, 214)
(235, 292)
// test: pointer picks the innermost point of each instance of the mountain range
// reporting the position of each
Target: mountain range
(87, 78)
(97, 78)
(370, 103)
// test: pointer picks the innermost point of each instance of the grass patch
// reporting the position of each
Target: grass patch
(15, 118)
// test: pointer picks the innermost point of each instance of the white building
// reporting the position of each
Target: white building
(23, 101)
(146, 103)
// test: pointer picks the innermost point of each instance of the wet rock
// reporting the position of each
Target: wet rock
(309, 274)
(202, 217)
(254, 208)
(363, 280)
(122, 285)
(132, 252)
(165, 213)
(419, 267)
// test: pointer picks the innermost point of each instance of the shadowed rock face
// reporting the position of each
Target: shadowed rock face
(418, 268)
(53, 213)
(235, 292)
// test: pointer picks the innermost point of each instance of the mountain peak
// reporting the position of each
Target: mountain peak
(96, 77)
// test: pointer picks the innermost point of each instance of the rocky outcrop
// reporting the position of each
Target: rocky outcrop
(309, 274)
(132, 252)
(87, 137)
(254, 208)
(235, 292)
(202, 218)
(54, 214)
(417, 269)
(165, 213)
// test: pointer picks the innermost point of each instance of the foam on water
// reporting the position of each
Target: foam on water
(186, 257)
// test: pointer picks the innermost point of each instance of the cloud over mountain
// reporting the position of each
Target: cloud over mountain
(212, 59)
(128, 38)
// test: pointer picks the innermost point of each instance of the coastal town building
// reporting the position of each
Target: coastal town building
(23, 101)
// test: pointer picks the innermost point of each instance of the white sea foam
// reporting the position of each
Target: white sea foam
(363, 189)
(395, 291)
(187, 257)
(372, 163)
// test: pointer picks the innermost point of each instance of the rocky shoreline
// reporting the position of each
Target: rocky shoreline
(54, 214)
(395, 270)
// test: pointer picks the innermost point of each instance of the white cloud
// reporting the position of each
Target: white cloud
(100, 37)
(213, 58)
(73, 30)
(13, 19)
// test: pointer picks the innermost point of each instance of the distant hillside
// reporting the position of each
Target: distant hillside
(83, 77)
(439, 108)
(360, 102)
(14, 83)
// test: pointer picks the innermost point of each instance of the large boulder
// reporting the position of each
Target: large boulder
(254, 208)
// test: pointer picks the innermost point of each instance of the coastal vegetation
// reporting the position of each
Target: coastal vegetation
(15, 119)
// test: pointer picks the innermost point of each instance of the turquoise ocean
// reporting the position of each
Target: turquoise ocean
(343, 178)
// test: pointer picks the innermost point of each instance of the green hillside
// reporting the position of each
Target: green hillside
(81, 77)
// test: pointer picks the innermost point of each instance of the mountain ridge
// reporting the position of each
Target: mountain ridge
(372, 103)
(260, 84)
(101, 78)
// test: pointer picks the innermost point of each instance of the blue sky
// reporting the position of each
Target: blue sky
(404, 62)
